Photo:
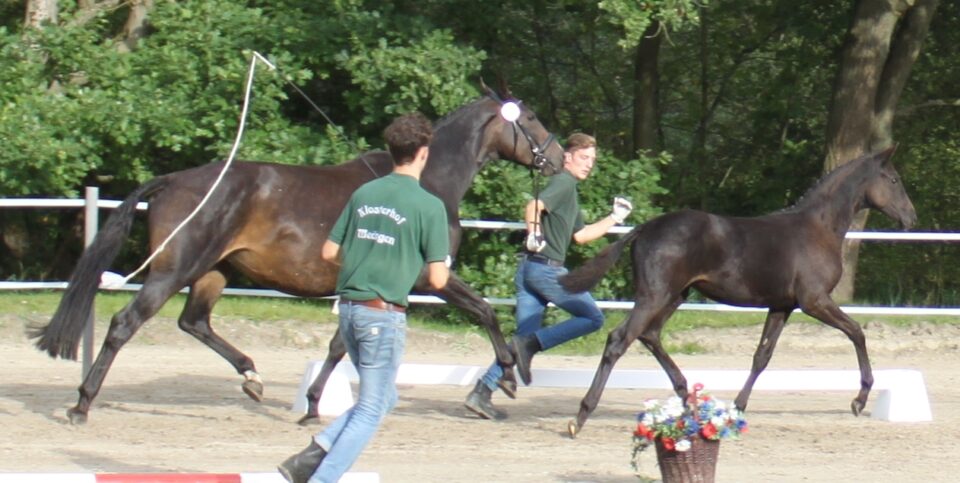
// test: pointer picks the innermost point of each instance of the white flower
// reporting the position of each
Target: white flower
(674, 407)
(683, 445)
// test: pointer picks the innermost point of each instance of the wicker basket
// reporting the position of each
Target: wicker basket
(696, 465)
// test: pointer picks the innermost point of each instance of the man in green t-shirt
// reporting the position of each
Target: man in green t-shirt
(389, 230)
(553, 221)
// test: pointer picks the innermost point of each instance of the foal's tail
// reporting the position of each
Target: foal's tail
(61, 336)
(586, 276)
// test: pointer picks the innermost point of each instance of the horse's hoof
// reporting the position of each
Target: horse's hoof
(508, 387)
(254, 389)
(76, 416)
(308, 420)
(857, 407)
(573, 429)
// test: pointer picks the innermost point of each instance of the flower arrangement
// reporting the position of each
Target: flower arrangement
(676, 423)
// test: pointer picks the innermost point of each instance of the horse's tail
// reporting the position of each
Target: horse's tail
(586, 276)
(61, 336)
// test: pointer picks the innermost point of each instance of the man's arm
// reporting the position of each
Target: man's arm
(531, 213)
(438, 274)
(594, 230)
(330, 252)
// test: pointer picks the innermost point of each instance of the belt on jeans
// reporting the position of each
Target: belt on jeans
(378, 304)
(544, 260)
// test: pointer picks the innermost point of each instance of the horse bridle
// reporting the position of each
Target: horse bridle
(538, 150)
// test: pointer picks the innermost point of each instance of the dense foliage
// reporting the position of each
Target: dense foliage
(743, 98)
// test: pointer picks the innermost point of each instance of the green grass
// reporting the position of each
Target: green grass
(435, 318)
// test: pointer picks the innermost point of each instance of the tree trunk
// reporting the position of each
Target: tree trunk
(41, 12)
(136, 26)
(646, 104)
(874, 66)
(903, 53)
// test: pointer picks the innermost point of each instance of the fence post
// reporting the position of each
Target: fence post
(90, 218)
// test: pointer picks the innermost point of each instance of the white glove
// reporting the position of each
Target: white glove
(621, 209)
(535, 241)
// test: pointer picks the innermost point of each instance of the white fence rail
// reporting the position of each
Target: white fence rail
(91, 205)
(501, 225)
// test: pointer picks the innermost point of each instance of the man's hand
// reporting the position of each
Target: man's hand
(621, 209)
(535, 241)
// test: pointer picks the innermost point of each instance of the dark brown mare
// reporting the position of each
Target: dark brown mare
(783, 261)
(268, 221)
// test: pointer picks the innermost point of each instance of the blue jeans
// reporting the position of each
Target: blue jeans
(536, 286)
(375, 341)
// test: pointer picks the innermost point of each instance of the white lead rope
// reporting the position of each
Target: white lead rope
(112, 280)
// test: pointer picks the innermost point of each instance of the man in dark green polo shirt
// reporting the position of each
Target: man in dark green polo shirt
(390, 229)
(553, 221)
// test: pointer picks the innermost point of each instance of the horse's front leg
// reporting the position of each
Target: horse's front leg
(460, 295)
(772, 328)
(617, 343)
(335, 354)
(644, 322)
(650, 337)
(826, 310)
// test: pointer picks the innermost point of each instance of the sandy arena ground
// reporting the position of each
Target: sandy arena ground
(170, 404)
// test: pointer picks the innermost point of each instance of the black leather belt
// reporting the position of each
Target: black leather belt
(378, 304)
(535, 258)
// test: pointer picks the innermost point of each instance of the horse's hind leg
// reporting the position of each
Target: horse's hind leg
(618, 341)
(827, 311)
(195, 320)
(123, 326)
(772, 328)
(334, 355)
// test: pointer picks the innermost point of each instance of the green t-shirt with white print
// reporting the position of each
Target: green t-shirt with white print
(389, 229)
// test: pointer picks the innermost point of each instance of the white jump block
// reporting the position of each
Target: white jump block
(275, 477)
(899, 395)
(337, 395)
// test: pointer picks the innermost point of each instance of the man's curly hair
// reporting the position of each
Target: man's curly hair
(406, 134)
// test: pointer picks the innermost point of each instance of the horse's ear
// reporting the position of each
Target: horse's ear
(490, 92)
(486, 89)
(885, 155)
(503, 87)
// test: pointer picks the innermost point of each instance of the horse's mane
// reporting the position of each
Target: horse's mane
(463, 112)
(827, 183)
(458, 119)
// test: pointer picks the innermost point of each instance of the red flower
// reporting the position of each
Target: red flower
(669, 444)
(643, 431)
(708, 431)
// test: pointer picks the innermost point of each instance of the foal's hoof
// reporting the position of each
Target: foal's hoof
(309, 420)
(508, 387)
(254, 389)
(857, 407)
(76, 416)
(573, 429)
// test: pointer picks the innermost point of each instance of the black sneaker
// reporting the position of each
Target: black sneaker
(525, 346)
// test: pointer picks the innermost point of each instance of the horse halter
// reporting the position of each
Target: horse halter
(539, 156)
(538, 150)
(510, 112)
